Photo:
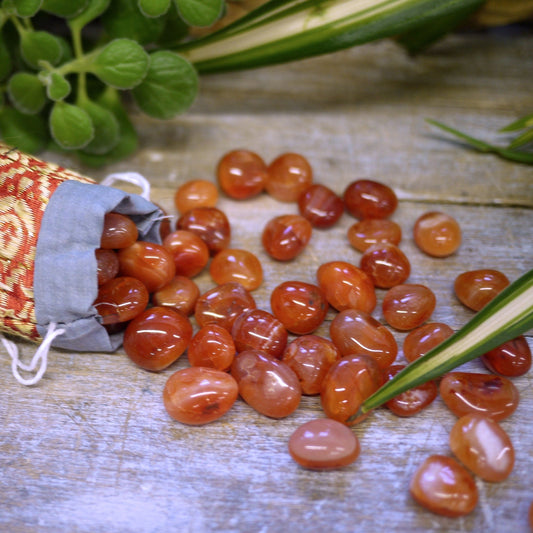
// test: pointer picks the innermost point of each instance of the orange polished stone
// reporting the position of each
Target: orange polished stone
(346, 286)
(195, 193)
(197, 395)
(437, 234)
(422, 339)
(119, 231)
(324, 444)
(444, 487)
(512, 358)
(242, 174)
(107, 265)
(321, 206)
(483, 447)
(289, 175)
(285, 236)
(371, 231)
(189, 251)
(476, 288)
(237, 265)
(212, 347)
(181, 293)
(369, 199)
(486, 394)
(386, 265)
(408, 306)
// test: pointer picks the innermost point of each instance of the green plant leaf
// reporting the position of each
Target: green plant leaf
(123, 64)
(153, 8)
(71, 126)
(64, 8)
(93, 10)
(521, 140)
(25, 132)
(5, 59)
(174, 30)
(200, 13)
(26, 93)
(57, 86)
(27, 8)
(519, 124)
(169, 88)
(38, 46)
(106, 128)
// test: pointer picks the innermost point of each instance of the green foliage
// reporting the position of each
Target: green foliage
(36, 46)
(64, 8)
(200, 12)
(26, 8)
(153, 8)
(71, 126)
(26, 132)
(26, 93)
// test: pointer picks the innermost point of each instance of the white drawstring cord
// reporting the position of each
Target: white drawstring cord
(130, 177)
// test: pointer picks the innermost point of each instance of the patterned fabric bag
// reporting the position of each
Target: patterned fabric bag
(51, 220)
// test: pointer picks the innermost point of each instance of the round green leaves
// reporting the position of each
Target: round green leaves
(71, 126)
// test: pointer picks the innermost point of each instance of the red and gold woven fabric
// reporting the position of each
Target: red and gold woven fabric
(26, 185)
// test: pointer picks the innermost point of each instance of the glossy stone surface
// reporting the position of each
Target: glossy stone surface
(242, 174)
(121, 299)
(107, 265)
(444, 487)
(476, 288)
(437, 234)
(321, 206)
(197, 395)
(119, 231)
(408, 306)
(512, 358)
(310, 356)
(386, 265)
(148, 262)
(181, 293)
(259, 330)
(195, 193)
(212, 347)
(269, 386)
(369, 199)
(369, 231)
(346, 286)
(494, 396)
(223, 304)
(157, 337)
(422, 339)
(324, 444)
(483, 447)
(285, 236)
(357, 332)
(189, 252)
(301, 307)
(289, 175)
(237, 265)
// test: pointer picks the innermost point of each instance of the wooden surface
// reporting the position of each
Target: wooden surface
(91, 448)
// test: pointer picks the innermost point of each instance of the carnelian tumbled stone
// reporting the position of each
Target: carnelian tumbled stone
(476, 288)
(242, 174)
(148, 262)
(181, 293)
(212, 347)
(369, 199)
(371, 231)
(289, 175)
(354, 331)
(512, 358)
(119, 231)
(237, 265)
(189, 251)
(422, 339)
(437, 234)
(107, 265)
(321, 206)
(285, 236)
(483, 447)
(346, 286)
(157, 337)
(198, 395)
(408, 305)
(300, 306)
(444, 487)
(324, 444)
(386, 265)
(267, 385)
(195, 193)
(486, 394)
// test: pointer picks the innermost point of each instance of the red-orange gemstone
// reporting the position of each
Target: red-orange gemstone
(195, 193)
(210, 224)
(356, 332)
(321, 206)
(189, 251)
(324, 444)
(157, 337)
(212, 347)
(269, 386)
(242, 174)
(386, 265)
(371, 231)
(531, 515)
(512, 358)
(259, 330)
(408, 306)
(424, 338)
(223, 304)
(197, 395)
(181, 294)
(289, 175)
(121, 299)
(370, 199)
(284, 237)
(237, 265)
(444, 487)
(346, 286)
(486, 394)
(310, 356)
(483, 447)
(437, 234)
(476, 288)
(106, 265)
(300, 306)
(148, 262)
(119, 231)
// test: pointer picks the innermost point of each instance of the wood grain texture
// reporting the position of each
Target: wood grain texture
(91, 448)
